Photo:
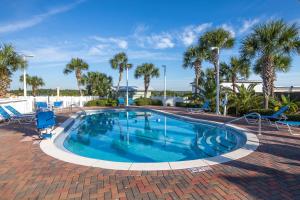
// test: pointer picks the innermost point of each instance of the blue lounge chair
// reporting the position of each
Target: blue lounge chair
(57, 104)
(11, 118)
(204, 107)
(278, 115)
(16, 112)
(44, 121)
(121, 101)
(289, 124)
(41, 105)
(130, 101)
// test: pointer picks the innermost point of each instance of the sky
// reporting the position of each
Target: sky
(156, 31)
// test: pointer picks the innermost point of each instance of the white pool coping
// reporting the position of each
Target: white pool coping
(54, 148)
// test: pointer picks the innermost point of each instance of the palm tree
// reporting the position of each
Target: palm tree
(98, 84)
(10, 62)
(216, 38)
(120, 62)
(193, 58)
(237, 68)
(34, 81)
(148, 71)
(270, 44)
(77, 65)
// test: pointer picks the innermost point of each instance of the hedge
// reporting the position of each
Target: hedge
(148, 101)
(263, 111)
(101, 102)
(186, 105)
(293, 117)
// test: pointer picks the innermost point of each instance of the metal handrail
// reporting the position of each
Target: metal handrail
(81, 109)
(245, 117)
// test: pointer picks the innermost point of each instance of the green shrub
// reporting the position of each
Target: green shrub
(263, 111)
(101, 102)
(147, 101)
(142, 101)
(187, 105)
(156, 102)
(180, 104)
(293, 117)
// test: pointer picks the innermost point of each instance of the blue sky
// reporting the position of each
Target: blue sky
(156, 31)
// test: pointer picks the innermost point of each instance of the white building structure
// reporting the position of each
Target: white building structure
(134, 91)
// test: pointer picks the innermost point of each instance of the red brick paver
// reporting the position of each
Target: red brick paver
(271, 172)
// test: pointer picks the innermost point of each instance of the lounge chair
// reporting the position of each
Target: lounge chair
(277, 116)
(121, 101)
(289, 124)
(44, 121)
(204, 107)
(41, 105)
(130, 101)
(12, 118)
(16, 112)
(58, 105)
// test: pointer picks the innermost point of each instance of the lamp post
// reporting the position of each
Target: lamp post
(165, 84)
(24, 75)
(217, 80)
(126, 85)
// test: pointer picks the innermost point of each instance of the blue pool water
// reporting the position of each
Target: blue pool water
(149, 136)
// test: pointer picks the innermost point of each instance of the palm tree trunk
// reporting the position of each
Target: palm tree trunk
(267, 76)
(272, 83)
(78, 77)
(33, 91)
(79, 88)
(120, 79)
(146, 83)
(4, 83)
(233, 80)
(197, 75)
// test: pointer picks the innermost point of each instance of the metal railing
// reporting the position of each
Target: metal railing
(81, 109)
(254, 114)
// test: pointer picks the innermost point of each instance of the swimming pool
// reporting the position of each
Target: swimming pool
(128, 137)
(147, 136)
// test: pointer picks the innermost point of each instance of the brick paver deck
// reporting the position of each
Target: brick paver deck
(272, 172)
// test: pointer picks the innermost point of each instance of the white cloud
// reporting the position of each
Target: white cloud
(247, 24)
(37, 19)
(190, 33)
(160, 41)
(120, 43)
(228, 28)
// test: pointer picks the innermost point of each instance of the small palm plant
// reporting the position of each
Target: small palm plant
(245, 99)
(98, 84)
(233, 71)
(284, 101)
(77, 65)
(120, 62)
(10, 62)
(148, 71)
(271, 45)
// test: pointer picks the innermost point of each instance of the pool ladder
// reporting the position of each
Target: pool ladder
(83, 112)
(245, 117)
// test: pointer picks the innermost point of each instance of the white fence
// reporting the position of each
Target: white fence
(170, 101)
(26, 104)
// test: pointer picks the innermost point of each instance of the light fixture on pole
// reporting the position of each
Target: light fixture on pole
(127, 85)
(217, 80)
(24, 74)
(165, 84)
